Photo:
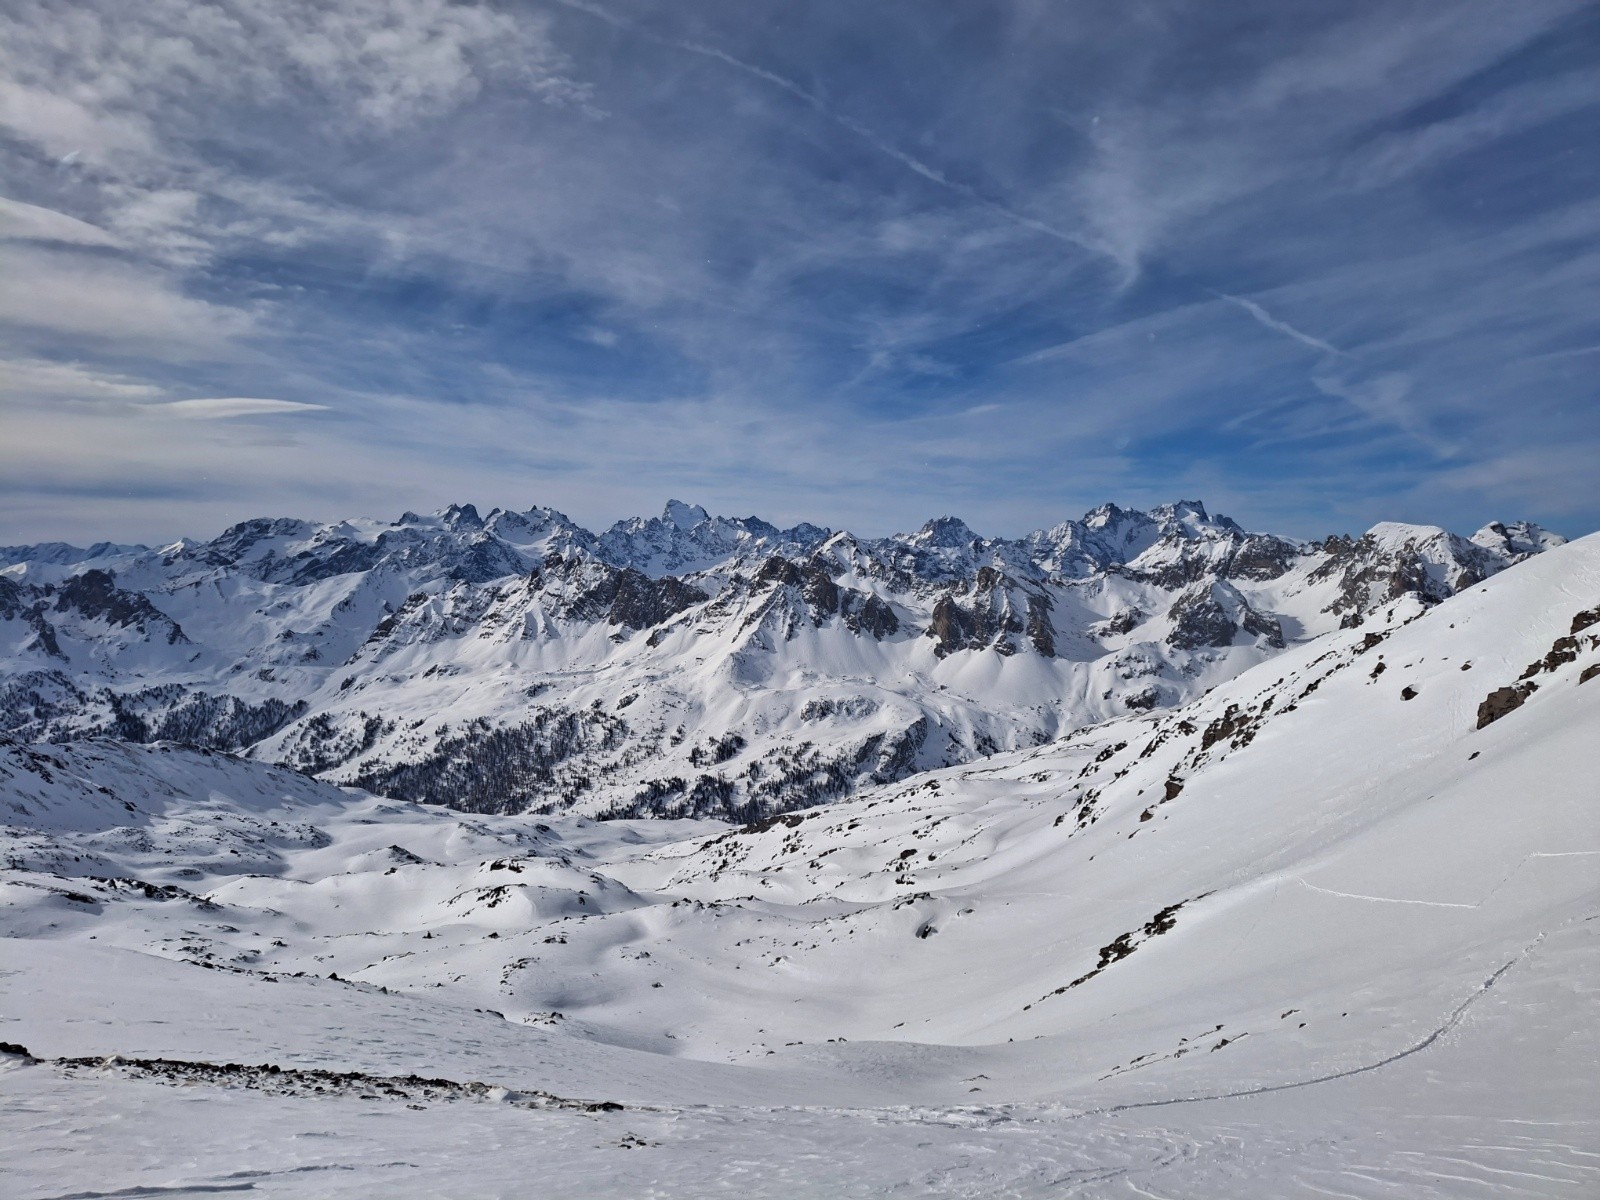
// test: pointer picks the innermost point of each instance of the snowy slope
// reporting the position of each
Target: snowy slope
(1329, 928)
(683, 665)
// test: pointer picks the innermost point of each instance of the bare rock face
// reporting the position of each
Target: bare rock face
(88, 604)
(995, 612)
(1367, 577)
(1391, 561)
(1268, 629)
(952, 627)
(621, 596)
(1214, 615)
(95, 595)
(1502, 701)
(815, 587)
(813, 596)
(1199, 619)
(868, 616)
(1041, 631)
(1123, 621)
(1262, 557)
(640, 602)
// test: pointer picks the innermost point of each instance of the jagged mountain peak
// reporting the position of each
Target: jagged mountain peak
(1107, 513)
(1191, 518)
(684, 516)
(538, 530)
(1181, 510)
(1322, 880)
(460, 516)
(687, 539)
(517, 659)
(945, 532)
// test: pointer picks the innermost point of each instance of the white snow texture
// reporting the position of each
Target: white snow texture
(1322, 921)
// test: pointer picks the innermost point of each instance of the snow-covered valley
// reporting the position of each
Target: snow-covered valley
(1327, 928)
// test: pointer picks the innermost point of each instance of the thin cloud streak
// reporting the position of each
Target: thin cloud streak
(913, 164)
(224, 408)
(1267, 320)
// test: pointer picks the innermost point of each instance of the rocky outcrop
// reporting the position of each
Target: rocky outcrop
(1503, 701)
(94, 594)
(639, 602)
(1391, 561)
(1215, 615)
(582, 589)
(807, 592)
(1199, 619)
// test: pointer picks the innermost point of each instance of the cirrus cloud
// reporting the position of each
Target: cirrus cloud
(1334, 263)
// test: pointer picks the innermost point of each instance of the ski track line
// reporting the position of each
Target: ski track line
(1086, 1178)
(1121, 1173)
(1450, 1023)
(1448, 903)
(1141, 1191)
(1384, 899)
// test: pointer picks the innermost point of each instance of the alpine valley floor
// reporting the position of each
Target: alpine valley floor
(1332, 929)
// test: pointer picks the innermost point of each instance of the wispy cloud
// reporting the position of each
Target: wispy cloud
(911, 162)
(33, 380)
(35, 223)
(1266, 319)
(983, 259)
(91, 299)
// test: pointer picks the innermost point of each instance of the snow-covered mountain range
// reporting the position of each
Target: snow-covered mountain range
(1330, 928)
(682, 665)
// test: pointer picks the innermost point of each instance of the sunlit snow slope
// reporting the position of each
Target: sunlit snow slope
(1328, 930)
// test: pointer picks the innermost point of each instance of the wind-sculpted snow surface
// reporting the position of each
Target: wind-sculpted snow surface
(684, 665)
(1325, 930)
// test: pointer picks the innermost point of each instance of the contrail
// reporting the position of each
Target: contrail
(1283, 327)
(1578, 353)
(818, 105)
(1378, 398)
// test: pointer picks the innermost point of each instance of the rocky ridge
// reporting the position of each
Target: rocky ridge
(685, 664)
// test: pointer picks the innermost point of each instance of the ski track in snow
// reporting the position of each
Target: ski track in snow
(1447, 903)
(1450, 1023)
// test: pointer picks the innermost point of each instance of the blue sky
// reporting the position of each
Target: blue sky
(1319, 264)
